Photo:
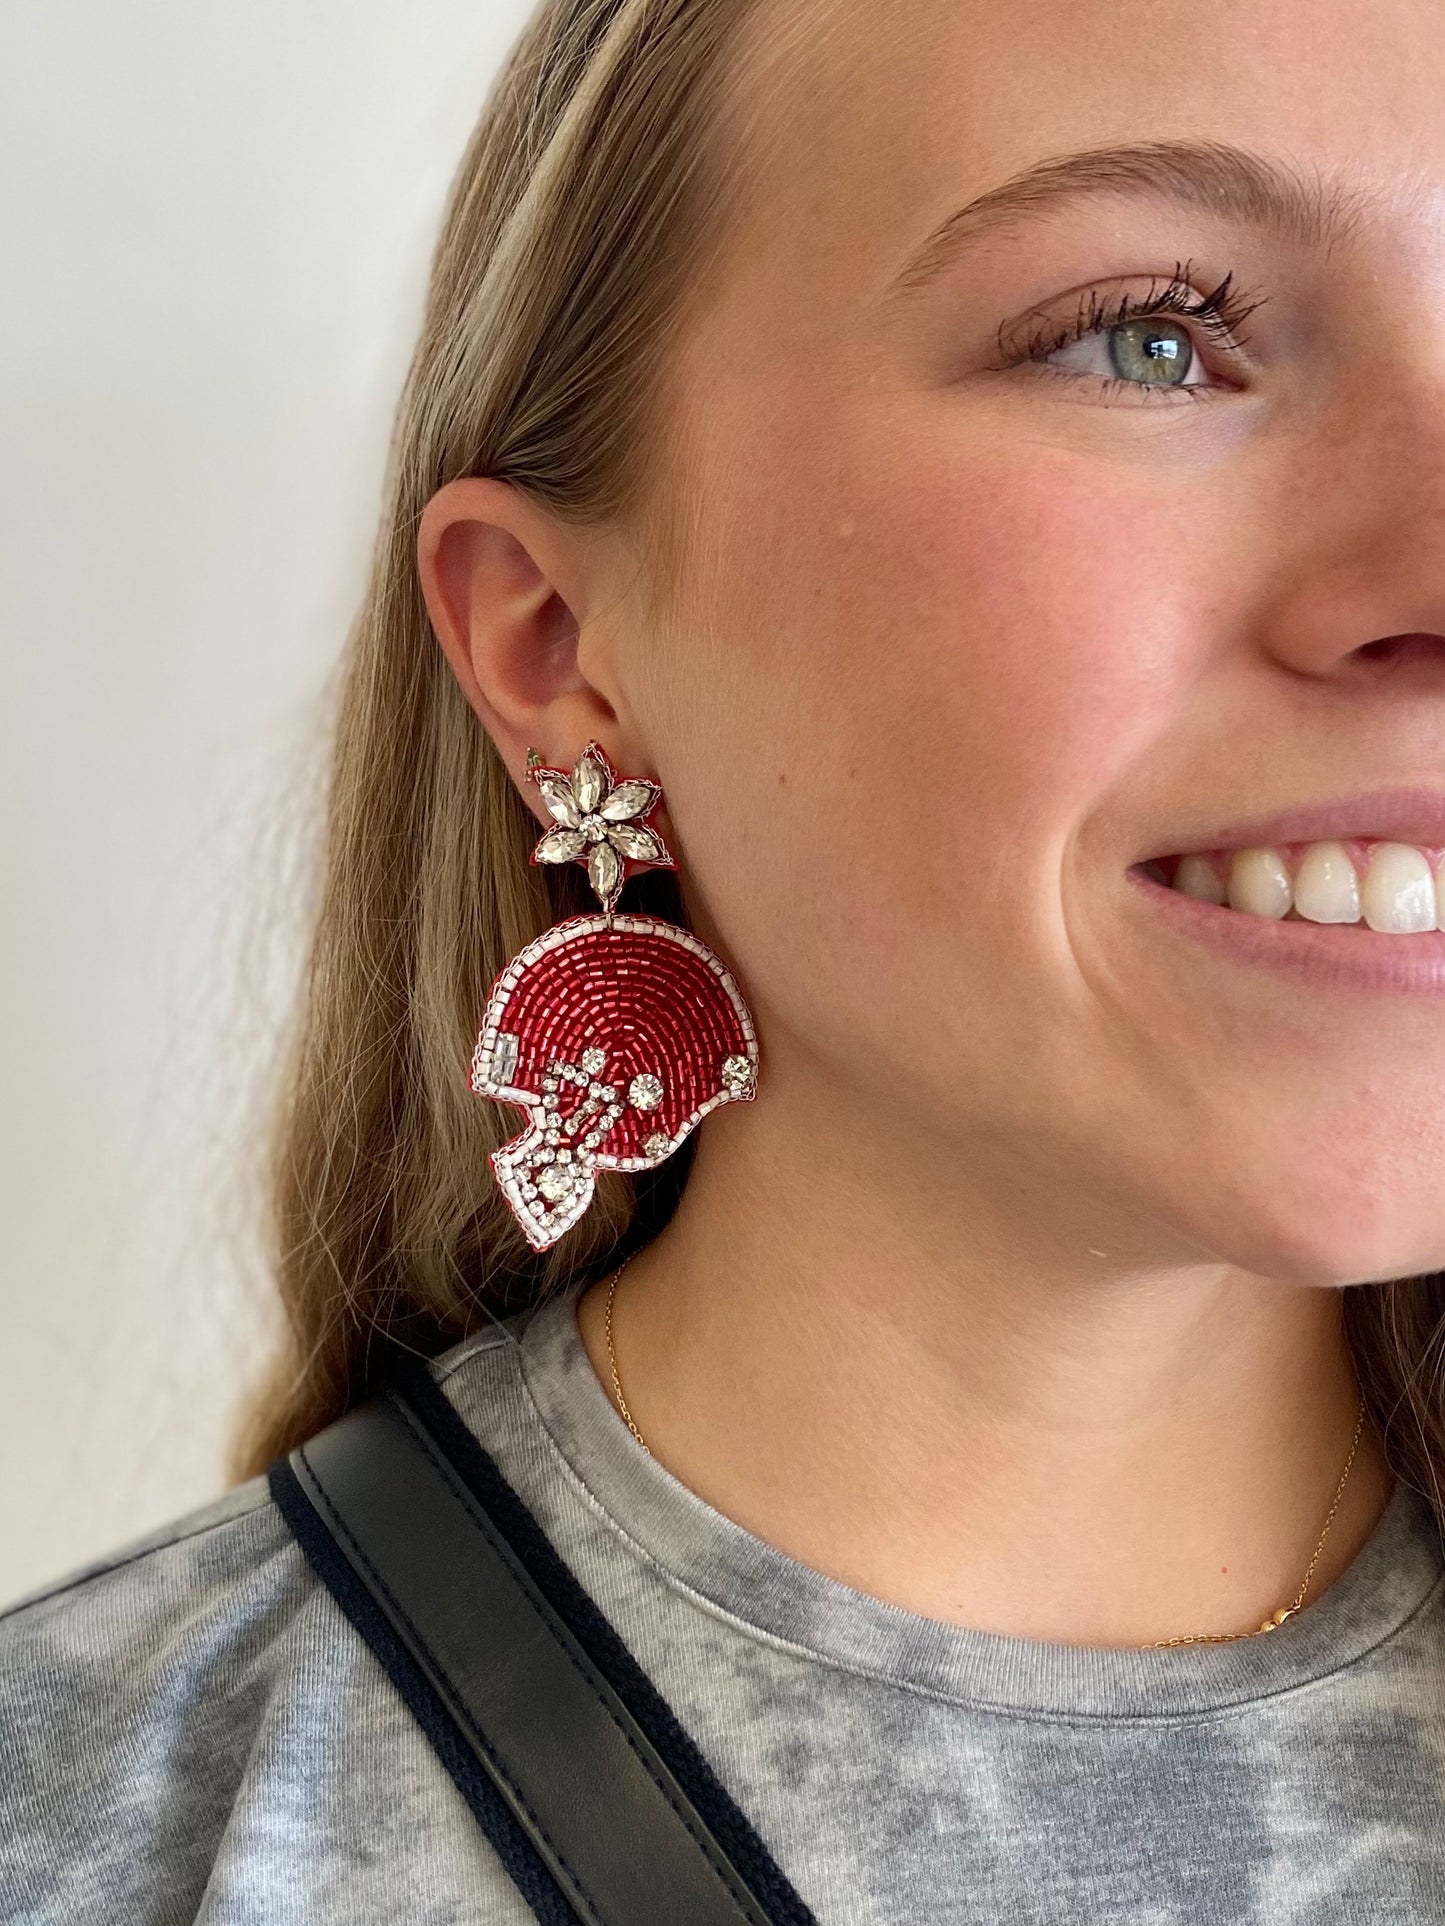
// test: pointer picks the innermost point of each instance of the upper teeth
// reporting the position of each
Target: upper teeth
(1395, 887)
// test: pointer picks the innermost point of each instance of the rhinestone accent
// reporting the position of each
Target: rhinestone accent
(604, 867)
(560, 845)
(737, 1073)
(636, 840)
(555, 1183)
(591, 779)
(560, 800)
(645, 1091)
(504, 1055)
(631, 798)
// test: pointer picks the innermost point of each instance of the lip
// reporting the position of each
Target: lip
(1405, 814)
(1335, 956)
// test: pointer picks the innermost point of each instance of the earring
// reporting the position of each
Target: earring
(615, 1034)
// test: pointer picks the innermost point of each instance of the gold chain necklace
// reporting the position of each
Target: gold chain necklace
(612, 1357)
(1285, 1611)
(1188, 1638)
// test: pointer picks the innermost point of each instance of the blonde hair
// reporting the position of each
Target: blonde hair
(597, 179)
(602, 177)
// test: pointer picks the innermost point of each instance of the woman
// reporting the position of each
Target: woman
(994, 482)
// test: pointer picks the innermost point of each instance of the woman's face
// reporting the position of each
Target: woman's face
(957, 643)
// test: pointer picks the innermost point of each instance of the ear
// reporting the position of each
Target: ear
(508, 588)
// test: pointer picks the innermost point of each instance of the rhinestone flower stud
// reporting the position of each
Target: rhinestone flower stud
(598, 820)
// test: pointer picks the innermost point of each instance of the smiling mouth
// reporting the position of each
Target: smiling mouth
(1395, 888)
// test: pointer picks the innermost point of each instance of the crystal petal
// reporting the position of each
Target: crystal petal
(604, 866)
(561, 845)
(636, 840)
(629, 798)
(589, 781)
(557, 794)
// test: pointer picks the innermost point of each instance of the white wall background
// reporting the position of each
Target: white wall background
(215, 221)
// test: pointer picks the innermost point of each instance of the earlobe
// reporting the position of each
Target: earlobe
(491, 562)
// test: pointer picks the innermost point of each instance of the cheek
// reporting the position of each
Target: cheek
(1011, 627)
(921, 669)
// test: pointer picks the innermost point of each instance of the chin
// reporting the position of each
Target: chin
(1327, 1225)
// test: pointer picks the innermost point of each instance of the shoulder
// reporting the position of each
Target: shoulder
(223, 1565)
(226, 1559)
(167, 1558)
(108, 1676)
(164, 1702)
(231, 1557)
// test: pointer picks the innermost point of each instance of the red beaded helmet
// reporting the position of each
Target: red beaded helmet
(614, 1034)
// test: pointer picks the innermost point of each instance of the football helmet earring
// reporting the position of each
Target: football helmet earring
(614, 1034)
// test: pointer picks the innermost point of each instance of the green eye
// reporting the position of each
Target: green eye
(1157, 352)
(1147, 349)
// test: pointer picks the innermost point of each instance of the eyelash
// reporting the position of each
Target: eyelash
(1221, 314)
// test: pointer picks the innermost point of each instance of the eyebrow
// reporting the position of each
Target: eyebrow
(1211, 177)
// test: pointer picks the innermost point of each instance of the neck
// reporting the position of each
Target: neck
(1001, 1418)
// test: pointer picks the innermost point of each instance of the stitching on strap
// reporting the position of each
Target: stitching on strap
(340, 1525)
(706, 1845)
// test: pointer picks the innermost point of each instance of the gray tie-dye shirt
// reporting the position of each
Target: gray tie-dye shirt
(190, 1731)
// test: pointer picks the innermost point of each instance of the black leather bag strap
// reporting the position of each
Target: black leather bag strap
(596, 1802)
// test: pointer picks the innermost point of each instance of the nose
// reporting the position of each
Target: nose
(1359, 591)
